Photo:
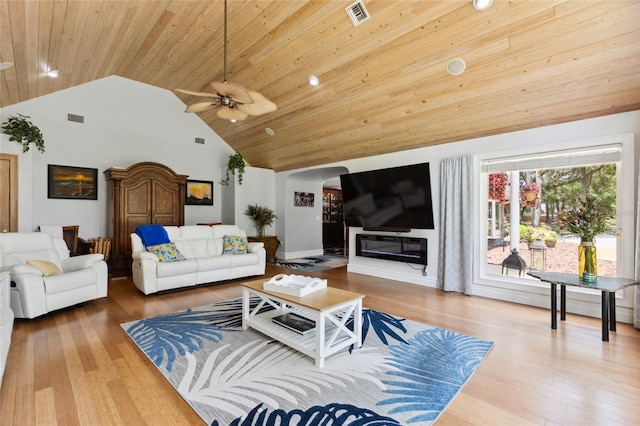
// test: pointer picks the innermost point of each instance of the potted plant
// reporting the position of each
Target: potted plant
(587, 219)
(261, 216)
(235, 166)
(21, 130)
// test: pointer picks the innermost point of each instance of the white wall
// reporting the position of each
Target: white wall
(126, 122)
(258, 187)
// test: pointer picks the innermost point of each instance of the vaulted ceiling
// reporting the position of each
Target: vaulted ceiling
(384, 84)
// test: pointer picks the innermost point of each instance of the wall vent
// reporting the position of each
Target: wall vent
(200, 141)
(357, 13)
(75, 118)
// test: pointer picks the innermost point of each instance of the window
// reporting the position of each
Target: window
(525, 195)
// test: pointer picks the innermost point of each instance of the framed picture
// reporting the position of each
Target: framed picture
(199, 193)
(303, 199)
(79, 183)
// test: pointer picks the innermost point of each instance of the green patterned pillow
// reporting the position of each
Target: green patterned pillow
(167, 252)
(233, 244)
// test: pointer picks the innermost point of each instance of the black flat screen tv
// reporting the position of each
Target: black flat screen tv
(396, 199)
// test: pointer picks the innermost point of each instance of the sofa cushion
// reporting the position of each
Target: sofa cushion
(166, 252)
(195, 232)
(192, 249)
(70, 281)
(171, 269)
(47, 268)
(219, 231)
(234, 244)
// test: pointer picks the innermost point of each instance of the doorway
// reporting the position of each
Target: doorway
(9, 193)
(333, 230)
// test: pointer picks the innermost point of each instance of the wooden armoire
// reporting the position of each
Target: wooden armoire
(141, 194)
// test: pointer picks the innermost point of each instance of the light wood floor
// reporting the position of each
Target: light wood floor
(77, 366)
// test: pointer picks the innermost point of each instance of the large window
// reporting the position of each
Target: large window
(526, 196)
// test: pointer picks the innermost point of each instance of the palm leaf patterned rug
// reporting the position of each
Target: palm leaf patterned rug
(404, 373)
(314, 263)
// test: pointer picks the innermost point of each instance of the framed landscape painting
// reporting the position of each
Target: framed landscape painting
(199, 193)
(79, 183)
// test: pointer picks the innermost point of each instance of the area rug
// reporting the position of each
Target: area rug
(404, 373)
(314, 263)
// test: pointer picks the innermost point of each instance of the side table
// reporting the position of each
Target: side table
(607, 285)
(271, 244)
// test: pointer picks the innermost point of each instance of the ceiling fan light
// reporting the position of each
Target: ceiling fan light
(482, 4)
(313, 80)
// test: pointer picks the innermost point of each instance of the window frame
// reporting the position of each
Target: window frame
(535, 293)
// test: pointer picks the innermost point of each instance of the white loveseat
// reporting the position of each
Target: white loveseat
(61, 282)
(205, 262)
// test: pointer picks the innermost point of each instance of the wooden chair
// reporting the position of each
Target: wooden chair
(102, 245)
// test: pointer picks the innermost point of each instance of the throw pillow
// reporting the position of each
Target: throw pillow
(166, 252)
(47, 268)
(232, 244)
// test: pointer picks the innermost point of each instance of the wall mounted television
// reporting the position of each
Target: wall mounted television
(396, 199)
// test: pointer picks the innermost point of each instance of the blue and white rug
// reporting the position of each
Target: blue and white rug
(405, 373)
(314, 263)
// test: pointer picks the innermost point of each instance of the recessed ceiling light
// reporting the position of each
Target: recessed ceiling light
(313, 80)
(482, 4)
(269, 131)
(5, 65)
(52, 73)
(456, 66)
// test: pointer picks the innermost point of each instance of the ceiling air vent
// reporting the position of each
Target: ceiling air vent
(200, 140)
(75, 118)
(357, 13)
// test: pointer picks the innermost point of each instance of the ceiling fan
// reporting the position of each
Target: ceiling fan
(234, 101)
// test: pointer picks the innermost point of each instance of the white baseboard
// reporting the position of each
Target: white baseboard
(299, 254)
(395, 276)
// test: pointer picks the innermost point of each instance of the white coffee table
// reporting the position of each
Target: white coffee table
(330, 308)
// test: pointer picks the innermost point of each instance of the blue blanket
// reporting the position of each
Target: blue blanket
(152, 235)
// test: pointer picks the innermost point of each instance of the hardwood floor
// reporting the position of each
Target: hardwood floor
(77, 366)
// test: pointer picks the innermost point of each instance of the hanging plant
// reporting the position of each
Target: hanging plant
(235, 166)
(21, 130)
(497, 186)
(529, 195)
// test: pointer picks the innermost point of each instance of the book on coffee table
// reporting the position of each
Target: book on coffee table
(295, 322)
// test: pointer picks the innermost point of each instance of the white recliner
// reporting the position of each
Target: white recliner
(37, 290)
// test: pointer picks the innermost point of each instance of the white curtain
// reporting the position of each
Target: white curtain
(455, 252)
(636, 303)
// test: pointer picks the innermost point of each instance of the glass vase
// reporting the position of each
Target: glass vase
(587, 267)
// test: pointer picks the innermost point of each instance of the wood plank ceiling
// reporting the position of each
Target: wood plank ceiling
(384, 85)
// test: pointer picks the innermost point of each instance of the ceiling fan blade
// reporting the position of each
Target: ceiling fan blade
(201, 106)
(235, 91)
(191, 92)
(260, 105)
(231, 114)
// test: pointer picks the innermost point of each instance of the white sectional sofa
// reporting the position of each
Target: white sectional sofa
(204, 259)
